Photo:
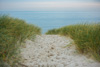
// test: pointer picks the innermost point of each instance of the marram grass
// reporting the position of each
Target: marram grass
(86, 37)
(13, 32)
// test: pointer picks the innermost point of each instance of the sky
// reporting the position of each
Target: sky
(49, 5)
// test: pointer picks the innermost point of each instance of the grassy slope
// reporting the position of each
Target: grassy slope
(13, 32)
(86, 37)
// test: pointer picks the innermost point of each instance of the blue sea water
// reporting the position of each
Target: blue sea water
(49, 20)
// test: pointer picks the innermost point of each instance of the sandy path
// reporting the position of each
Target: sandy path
(49, 51)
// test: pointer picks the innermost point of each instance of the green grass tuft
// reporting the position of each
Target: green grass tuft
(86, 37)
(13, 32)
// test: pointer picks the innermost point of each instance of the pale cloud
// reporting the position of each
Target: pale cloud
(48, 5)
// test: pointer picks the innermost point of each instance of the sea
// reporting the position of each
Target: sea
(47, 20)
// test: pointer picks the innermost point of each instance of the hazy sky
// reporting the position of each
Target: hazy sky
(49, 5)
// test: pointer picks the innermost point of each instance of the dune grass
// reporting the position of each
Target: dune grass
(85, 36)
(13, 32)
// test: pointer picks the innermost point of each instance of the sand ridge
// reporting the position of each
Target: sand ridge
(50, 51)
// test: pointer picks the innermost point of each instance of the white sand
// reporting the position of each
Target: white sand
(49, 51)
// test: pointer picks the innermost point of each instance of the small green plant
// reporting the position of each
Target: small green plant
(86, 37)
(13, 32)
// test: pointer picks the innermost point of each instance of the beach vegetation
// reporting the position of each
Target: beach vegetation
(13, 32)
(85, 36)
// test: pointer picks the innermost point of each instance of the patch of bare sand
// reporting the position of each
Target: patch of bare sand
(49, 51)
